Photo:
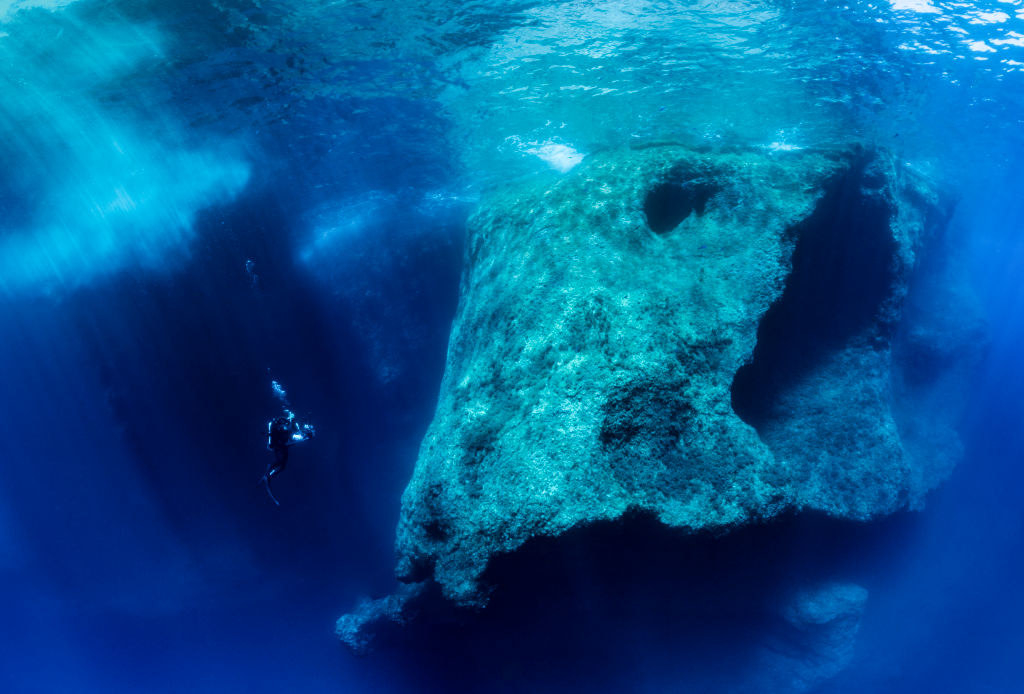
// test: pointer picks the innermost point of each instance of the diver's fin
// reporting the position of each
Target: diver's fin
(266, 484)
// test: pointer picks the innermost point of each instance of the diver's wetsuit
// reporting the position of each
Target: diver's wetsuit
(282, 432)
(279, 437)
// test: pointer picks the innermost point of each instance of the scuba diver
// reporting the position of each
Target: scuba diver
(283, 432)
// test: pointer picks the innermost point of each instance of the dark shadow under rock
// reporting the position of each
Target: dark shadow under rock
(633, 605)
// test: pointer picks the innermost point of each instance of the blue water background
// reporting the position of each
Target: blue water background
(151, 149)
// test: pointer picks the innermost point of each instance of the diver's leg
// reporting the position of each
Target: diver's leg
(272, 469)
(280, 461)
(266, 485)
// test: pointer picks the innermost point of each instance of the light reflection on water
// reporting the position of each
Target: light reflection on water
(123, 121)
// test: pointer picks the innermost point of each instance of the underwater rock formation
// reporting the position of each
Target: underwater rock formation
(821, 631)
(704, 336)
(353, 629)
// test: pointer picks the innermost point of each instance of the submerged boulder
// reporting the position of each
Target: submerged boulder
(820, 639)
(705, 336)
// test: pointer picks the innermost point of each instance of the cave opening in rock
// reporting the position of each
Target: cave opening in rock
(842, 274)
(670, 202)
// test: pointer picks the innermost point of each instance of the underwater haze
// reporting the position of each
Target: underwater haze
(215, 212)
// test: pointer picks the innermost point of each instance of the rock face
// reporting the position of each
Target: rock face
(820, 639)
(357, 628)
(705, 336)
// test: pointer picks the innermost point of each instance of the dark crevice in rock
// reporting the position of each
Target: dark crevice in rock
(657, 411)
(670, 202)
(644, 420)
(843, 274)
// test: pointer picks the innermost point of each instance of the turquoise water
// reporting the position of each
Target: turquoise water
(149, 149)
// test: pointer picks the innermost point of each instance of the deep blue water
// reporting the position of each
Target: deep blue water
(151, 148)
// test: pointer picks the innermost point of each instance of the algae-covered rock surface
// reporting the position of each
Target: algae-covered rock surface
(704, 336)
